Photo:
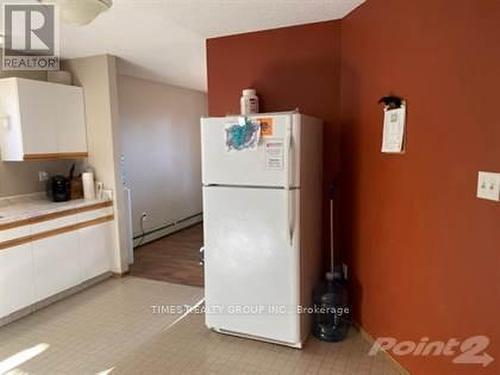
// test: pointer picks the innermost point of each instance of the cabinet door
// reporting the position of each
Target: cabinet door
(56, 264)
(96, 244)
(37, 108)
(70, 121)
(16, 279)
(11, 139)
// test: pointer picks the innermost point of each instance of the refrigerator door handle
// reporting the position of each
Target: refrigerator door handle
(291, 214)
(288, 194)
(287, 155)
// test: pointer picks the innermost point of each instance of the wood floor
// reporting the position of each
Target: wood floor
(174, 258)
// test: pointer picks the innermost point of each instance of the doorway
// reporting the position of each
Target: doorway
(161, 166)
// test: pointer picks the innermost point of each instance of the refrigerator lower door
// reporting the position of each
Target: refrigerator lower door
(252, 278)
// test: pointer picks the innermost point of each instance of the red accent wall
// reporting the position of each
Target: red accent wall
(292, 67)
(424, 253)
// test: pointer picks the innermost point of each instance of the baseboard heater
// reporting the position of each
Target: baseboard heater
(167, 226)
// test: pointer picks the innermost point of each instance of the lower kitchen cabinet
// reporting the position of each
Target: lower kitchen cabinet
(16, 279)
(50, 256)
(56, 264)
(96, 243)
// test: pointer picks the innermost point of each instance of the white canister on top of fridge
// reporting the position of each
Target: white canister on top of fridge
(249, 102)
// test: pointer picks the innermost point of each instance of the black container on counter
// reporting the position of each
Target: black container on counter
(58, 188)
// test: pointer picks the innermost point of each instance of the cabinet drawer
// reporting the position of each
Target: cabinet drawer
(53, 224)
(11, 234)
(95, 214)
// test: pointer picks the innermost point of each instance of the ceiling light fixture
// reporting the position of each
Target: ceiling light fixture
(80, 12)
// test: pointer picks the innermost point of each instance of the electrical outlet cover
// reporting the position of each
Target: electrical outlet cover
(43, 176)
(488, 186)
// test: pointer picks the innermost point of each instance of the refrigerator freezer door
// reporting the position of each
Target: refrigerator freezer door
(251, 269)
(271, 163)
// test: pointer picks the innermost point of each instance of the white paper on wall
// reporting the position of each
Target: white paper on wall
(394, 130)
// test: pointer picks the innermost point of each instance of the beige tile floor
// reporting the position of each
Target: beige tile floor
(112, 327)
(189, 348)
(93, 330)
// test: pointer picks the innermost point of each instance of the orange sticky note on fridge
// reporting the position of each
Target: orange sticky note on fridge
(266, 127)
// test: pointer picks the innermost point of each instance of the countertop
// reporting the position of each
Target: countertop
(23, 207)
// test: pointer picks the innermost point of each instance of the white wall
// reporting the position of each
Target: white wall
(22, 177)
(97, 75)
(160, 134)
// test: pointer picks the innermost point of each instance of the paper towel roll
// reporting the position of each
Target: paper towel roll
(88, 185)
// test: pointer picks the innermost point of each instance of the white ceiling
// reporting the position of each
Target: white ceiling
(164, 40)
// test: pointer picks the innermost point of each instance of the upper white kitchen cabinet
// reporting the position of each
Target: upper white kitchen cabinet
(41, 120)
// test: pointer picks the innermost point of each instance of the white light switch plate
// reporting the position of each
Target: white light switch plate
(488, 186)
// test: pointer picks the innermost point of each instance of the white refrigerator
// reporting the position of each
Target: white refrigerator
(262, 227)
